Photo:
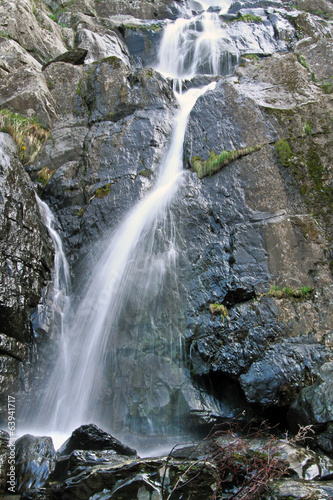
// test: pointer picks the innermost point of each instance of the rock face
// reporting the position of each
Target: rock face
(252, 301)
(26, 261)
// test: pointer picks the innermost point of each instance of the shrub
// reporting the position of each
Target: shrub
(28, 134)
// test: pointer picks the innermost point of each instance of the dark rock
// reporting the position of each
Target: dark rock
(314, 404)
(90, 437)
(26, 248)
(4, 451)
(35, 460)
(325, 439)
(74, 56)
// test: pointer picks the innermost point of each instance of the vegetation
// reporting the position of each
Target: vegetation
(28, 134)
(249, 18)
(302, 61)
(287, 292)
(328, 87)
(220, 309)
(242, 470)
(103, 191)
(215, 162)
(44, 175)
(283, 151)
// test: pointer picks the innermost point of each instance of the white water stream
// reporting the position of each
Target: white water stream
(92, 330)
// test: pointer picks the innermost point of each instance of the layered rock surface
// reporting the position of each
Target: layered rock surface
(259, 226)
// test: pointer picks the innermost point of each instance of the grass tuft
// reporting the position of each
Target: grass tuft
(28, 134)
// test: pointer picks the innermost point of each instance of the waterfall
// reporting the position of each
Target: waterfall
(61, 275)
(96, 373)
(196, 46)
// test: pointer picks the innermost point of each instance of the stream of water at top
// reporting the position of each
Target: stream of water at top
(138, 257)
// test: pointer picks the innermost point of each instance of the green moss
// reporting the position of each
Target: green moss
(287, 292)
(103, 191)
(81, 212)
(215, 162)
(328, 87)
(315, 169)
(54, 17)
(113, 61)
(145, 173)
(283, 151)
(307, 128)
(249, 18)
(301, 60)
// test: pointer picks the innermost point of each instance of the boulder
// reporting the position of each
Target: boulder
(90, 437)
(35, 460)
(74, 56)
(314, 406)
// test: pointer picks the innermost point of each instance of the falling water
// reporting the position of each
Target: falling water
(61, 274)
(137, 266)
(73, 398)
(197, 45)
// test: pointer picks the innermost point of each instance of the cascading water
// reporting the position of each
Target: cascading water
(122, 305)
(197, 45)
(61, 274)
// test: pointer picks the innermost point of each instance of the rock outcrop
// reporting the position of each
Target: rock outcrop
(251, 308)
(26, 263)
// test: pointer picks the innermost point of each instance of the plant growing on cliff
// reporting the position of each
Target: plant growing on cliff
(283, 151)
(218, 309)
(103, 191)
(215, 162)
(287, 292)
(28, 134)
(248, 18)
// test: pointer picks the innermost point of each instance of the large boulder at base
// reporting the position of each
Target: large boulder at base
(35, 460)
(90, 437)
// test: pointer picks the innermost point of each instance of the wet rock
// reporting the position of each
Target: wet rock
(134, 480)
(26, 250)
(285, 367)
(275, 247)
(314, 405)
(90, 437)
(26, 260)
(74, 56)
(292, 489)
(35, 460)
(4, 441)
